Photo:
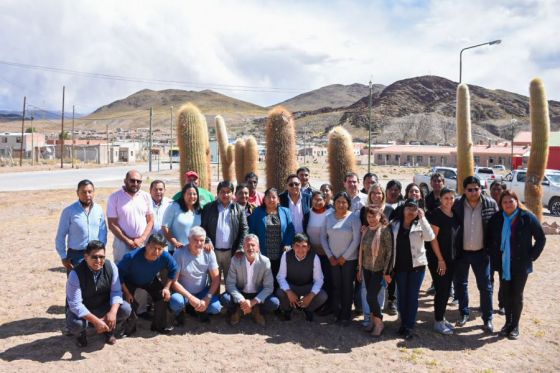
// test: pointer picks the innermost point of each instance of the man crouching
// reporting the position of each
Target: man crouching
(249, 284)
(94, 296)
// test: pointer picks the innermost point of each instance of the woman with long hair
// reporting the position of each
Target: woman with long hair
(510, 236)
(181, 216)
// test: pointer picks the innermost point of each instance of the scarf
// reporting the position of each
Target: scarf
(319, 211)
(376, 242)
(505, 244)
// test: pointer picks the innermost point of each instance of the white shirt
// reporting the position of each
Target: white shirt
(317, 274)
(223, 228)
(250, 285)
(296, 211)
(159, 211)
(358, 201)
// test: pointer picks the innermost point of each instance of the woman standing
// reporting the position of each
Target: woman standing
(512, 253)
(441, 254)
(393, 192)
(273, 225)
(374, 263)
(180, 217)
(410, 230)
(340, 238)
(328, 193)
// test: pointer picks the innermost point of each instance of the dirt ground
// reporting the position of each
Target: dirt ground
(32, 316)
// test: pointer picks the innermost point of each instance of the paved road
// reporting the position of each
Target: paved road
(69, 178)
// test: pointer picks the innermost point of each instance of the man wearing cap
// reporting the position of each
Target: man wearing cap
(204, 195)
(473, 211)
(130, 214)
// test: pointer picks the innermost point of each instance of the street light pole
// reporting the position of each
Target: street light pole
(513, 121)
(369, 130)
(471, 47)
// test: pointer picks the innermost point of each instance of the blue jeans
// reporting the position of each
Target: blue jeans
(408, 290)
(178, 302)
(270, 304)
(480, 263)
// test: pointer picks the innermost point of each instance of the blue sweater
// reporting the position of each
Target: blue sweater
(136, 270)
(257, 225)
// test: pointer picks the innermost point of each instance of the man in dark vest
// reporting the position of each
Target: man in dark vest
(94, 296)
(300, 279)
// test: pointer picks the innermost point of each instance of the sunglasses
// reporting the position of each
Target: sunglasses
(473, 190)
(293, 184)
(135, 181)
(97, 257)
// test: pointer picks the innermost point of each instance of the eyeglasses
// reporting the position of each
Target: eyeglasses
(135, 181)
(97, 257)
(294, 184)
(473, 190)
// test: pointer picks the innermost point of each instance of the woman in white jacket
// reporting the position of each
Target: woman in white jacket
(410, 230)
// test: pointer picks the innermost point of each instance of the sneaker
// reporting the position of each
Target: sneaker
(441, 328)
(391, 308)
(448, 324)
(462, 320)
(81, 341)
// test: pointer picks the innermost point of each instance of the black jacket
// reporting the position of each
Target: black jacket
(239, 227)
(489, 208)
(524, 252)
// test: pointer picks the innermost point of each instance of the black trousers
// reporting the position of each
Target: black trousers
(442, 284)
(513, 297)
(373, 286)
(392, 291)
(342, 289)
(500, 291)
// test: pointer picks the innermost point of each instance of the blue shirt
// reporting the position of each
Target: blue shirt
(74, 292)
(159, 211)
(179, 223)
(76, 228)
(193, 270)
(223, 228)
(136, 270)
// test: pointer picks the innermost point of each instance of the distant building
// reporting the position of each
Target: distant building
(523, 138)
(10, 143)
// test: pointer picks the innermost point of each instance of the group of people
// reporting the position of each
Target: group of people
(298, 249)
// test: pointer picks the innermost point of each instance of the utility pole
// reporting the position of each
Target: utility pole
(32, 142)
(108, 148)
(62, 131)
(22, 129)
(512, 133)
(305, 144)
(150, 143)
(171, 140)
(73, 115)
(369, 129)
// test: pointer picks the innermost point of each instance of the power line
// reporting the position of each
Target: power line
(226, 87)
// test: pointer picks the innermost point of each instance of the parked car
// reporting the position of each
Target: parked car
(551, 188)
(499, 167)
(486, 173)
(450, 176)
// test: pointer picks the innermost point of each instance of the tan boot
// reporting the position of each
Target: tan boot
(235, 317)
(378, 326)
(257, 316)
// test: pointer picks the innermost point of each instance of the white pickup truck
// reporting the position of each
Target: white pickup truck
(450, 176)
(551, 188)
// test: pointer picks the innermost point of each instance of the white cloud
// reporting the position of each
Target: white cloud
(291, 45)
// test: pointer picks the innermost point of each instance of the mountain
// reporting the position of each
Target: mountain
(331, 96)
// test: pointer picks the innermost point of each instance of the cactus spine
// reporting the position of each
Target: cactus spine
(465, 160)
(540, 128)
(221, 135)
(194, 148)
(340, 156)
(239, 159)
(251, 156)
(280, 147)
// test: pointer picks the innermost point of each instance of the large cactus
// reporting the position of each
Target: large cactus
(221, 135)
(465, 160)
(340, 156)
(230, 152)
(280, 147)
(251, 155)
(192, 136)
(239, 159)
(540, 128)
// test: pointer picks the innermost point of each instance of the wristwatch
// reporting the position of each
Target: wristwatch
(208, 296)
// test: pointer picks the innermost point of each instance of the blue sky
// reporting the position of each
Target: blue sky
(268, 51)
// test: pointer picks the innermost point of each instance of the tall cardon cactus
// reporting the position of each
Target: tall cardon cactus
(194, 148)
(280, 147)
(240, 159)
(221, 135)
(465, 160)
(251, 155)
(341, 157)
(540, 129)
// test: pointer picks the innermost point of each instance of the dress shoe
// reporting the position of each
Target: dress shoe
(401, 330)
(203, 317)
(514, 333)
(110, 338)
(309, 316)
(257, 316)
(504, 332)
(488, 326)
(81, 341)
(408, 335)
(502, 311)
(431, 290)
(235, 317)
(323, 311)
(166, 330)
(462, 320)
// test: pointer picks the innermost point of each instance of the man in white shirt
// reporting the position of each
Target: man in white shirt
(160, 203)
(249, 284)
(297, 202)
(358, 199)
(300, 279)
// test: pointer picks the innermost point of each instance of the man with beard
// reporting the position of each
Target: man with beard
(130, 215)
